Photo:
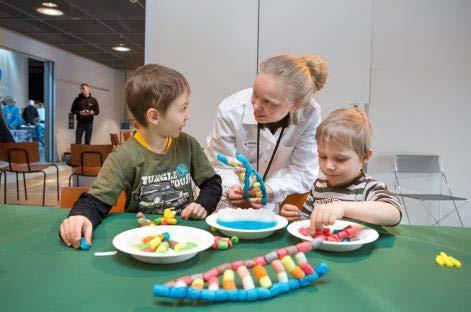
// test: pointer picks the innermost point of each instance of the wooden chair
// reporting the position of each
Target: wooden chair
(69, 196)
(22, 158)
(127, 135)
(87, 160)
(114, 137)
(295, 199)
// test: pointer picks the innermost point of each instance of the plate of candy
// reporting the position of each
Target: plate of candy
(340, 237)
(164, 243)
(246, 223)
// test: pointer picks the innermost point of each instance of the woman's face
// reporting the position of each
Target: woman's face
(270, 99)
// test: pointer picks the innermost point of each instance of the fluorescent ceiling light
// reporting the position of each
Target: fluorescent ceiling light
(50, 11)
(121, 48)
(49, 4)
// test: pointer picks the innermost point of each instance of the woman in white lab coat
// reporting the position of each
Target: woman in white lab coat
(273, 124)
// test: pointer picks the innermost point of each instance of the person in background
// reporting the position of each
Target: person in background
(11, 113)
(30, 114)
(85, 106)
(5, 134)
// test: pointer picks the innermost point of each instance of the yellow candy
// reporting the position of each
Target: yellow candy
(288, 263)
(265, 282)
(155, 242)
(172, 221)
(179, 247)
(444, 260)
(198, 283)
(162, 247)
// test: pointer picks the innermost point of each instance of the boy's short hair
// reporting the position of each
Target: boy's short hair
(153, 86)
(84, 84)
(346, 128)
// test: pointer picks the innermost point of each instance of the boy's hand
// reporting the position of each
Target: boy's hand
(73, 228)
(194, 211)
(290, 212)
(326, 214)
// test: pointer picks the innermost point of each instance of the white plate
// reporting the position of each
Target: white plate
(365, 236)
(246, 234)
(125, 240)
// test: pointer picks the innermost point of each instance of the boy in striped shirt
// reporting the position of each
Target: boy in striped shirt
(345, 190)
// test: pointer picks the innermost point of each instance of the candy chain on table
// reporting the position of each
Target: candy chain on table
(192, 286)
(251, 178)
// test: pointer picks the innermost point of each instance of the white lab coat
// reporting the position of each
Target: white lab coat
(295, 165)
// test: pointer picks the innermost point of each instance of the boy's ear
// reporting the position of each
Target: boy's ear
(152, 116)
(367, 156)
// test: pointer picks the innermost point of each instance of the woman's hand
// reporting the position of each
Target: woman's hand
(236, 197)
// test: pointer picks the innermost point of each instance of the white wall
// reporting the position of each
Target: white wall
(410, 60)
(107, 85)
(212, 43)
(420, 90)
(14, 81)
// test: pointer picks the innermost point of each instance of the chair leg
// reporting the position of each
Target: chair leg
(70, 180)
(5, 188)
(44, 186)
(24, 186)
(77, 177)
(17, 187)
(405, 209)
(57, 172)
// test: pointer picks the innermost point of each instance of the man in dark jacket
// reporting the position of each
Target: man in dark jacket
(85, 107)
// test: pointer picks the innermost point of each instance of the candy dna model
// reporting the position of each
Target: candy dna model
(193, 286)
(250, 176)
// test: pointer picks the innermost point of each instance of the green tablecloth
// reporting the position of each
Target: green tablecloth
(395, 273)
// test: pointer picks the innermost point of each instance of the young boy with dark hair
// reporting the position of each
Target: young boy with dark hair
(156, 166)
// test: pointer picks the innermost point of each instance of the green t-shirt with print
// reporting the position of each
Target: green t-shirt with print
(153, 182)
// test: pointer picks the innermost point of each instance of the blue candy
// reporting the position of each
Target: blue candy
(232, 294)
(264, 293)
(242, 295)
(221, 295)
(312, 277)
(293, 284)
(284, 287)
(194, 294)
(304, 282)
(252, 294)
(161, 290)
(321, 269)
(275, 290)
(84, 245)
(178, 292)
(209, 295)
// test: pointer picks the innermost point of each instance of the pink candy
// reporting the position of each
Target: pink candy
(211, 273)
(236, 264)
(304, 247)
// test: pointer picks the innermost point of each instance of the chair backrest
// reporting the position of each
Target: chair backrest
(417, 163)
(89, 155)
(295, 199)
(127, 135)
(69, 196)
(418, 174)
(19, 153)
(114, 139)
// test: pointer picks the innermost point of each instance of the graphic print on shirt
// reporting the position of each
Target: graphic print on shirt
(165, 190)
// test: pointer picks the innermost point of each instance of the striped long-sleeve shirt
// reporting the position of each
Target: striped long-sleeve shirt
(363, 188)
